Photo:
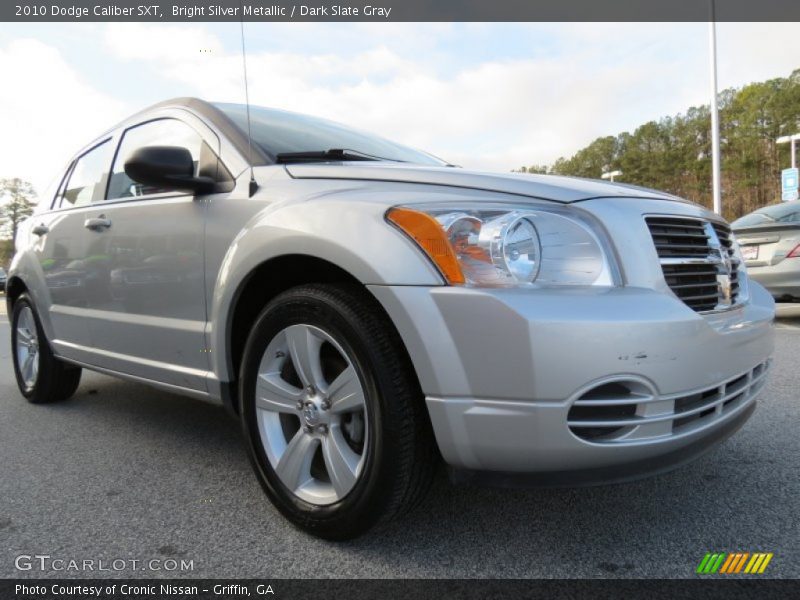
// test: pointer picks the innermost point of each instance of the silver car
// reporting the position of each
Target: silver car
(365, 309)
(770, 243)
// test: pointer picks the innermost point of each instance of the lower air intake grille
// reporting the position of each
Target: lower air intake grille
(628, 411)
(698, 260)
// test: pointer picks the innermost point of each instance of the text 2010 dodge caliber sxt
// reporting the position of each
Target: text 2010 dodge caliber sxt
(365, 308)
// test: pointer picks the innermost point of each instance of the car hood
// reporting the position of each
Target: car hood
(549, 187)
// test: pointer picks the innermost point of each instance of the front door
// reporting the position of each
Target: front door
(147, 310)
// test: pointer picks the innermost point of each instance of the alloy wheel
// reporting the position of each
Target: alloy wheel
(27, 347)
(312, 414)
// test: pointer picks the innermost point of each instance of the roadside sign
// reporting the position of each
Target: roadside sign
(789, 184)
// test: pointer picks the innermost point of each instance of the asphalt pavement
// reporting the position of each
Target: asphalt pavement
(126, 472)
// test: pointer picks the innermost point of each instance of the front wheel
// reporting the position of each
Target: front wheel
(332, 412)
(41, 377)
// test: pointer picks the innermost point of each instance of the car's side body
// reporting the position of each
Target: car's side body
(165, 294)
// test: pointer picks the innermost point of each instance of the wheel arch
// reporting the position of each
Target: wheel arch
(26, 275)
(15, 287)
(263, 283)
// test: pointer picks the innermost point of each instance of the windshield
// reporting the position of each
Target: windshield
(282, 132)
(788, 212)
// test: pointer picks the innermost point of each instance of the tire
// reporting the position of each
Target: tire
(44, 378)
(388, 436)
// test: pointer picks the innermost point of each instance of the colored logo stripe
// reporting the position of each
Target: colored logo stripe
(726, 566)
(758, 563)
(711, 562)
(734, 562)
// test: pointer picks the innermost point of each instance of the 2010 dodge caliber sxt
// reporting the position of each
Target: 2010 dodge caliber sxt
(366, 309)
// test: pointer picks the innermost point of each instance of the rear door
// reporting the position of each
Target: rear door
(147, 313)
(70, 270)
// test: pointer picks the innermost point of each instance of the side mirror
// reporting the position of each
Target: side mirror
(168, 167)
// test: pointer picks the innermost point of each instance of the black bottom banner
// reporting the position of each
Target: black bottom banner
(356, 589)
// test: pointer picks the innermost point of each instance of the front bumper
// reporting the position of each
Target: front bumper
(501, 370)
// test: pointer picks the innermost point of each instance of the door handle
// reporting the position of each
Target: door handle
(97, 223)
(40, 229)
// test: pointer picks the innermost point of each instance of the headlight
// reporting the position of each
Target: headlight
(500, 245)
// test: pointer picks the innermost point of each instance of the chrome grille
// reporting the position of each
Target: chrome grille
(726, 239)
(698, 260)
(628, 410)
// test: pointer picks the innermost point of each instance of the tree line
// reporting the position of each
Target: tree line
(674, 153)
(16, 204)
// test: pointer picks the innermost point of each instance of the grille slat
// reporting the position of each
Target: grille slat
(680, 236)
(693, 254)
(684, 286)
(700, 297)
(681, 249)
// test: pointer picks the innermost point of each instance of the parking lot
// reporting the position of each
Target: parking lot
(123, 471)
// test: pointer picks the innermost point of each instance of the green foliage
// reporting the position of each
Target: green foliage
(16, 204)
(6, 252)
(534, 169)
(674, 153)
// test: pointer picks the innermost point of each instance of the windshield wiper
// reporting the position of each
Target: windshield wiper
(331, 154)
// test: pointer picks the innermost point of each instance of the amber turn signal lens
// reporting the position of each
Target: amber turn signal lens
(428, 233)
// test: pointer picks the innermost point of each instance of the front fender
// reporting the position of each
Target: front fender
(351, 234)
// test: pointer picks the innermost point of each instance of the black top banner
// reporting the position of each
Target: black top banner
(402, 10)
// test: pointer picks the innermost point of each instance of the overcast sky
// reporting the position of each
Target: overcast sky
(485, 96)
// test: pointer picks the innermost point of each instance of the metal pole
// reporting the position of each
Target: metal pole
(791, 143)
(715, 162)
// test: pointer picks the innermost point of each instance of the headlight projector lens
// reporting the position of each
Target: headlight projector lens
(521, 250)
(512, 243)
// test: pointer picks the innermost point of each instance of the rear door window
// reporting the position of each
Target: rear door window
(84, 183)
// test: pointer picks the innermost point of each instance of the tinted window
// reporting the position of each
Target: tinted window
(164, 132)
(788, 212)
(86, 177)
(278, 132)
